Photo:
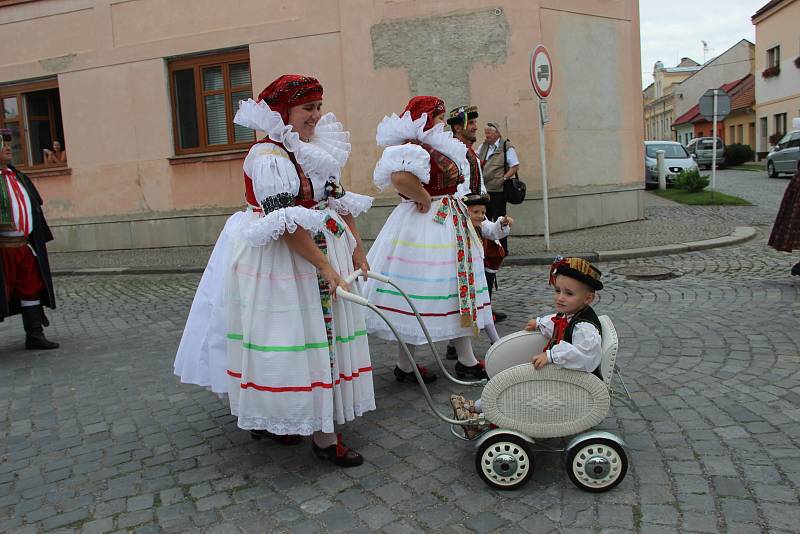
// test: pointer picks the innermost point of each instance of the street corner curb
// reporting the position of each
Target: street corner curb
(740, 234)
(644, 252)
(546, 259)
(112, 271)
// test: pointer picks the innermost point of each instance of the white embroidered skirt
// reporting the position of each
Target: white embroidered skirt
(202, 354)
(284, 375)
(420, 255)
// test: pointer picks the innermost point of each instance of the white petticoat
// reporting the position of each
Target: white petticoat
(201, 357)
(281, 376)
(419, 255)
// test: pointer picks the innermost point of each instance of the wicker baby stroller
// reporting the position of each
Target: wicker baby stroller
(522, 405)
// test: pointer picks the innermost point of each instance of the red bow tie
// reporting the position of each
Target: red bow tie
(560, 323)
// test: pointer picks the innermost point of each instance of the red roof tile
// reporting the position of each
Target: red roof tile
(741, 91)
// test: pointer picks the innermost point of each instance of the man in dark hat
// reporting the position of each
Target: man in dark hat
(24, 269)
(463, 121)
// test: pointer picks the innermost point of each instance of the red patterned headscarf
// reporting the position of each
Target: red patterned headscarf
(432, 105)
(290, 90)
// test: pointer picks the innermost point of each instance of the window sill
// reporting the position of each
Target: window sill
(48, 172)
(205, 157)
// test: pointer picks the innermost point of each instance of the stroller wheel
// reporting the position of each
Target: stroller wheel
(597, 464)
(503, 462)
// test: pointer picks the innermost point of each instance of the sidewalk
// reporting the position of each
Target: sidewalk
(668, 228)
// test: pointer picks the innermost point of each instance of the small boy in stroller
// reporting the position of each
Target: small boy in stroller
(574, 331)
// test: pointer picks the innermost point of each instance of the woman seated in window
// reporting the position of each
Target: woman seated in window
(56, 156)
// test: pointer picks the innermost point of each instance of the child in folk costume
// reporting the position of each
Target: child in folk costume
(490, 233)
(574, 331)
(428, 244)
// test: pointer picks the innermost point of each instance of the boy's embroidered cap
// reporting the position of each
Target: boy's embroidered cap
(462, 114)
(576, 268)
(475, 199)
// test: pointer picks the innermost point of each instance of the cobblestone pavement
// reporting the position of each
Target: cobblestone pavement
(98, 436)
(665, 223)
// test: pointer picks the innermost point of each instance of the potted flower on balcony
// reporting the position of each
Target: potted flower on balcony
(769, 72)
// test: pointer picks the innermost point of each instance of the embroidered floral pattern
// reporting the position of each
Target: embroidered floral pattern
(333, 189)
(466, 278)
(333, 226)
(326, 302)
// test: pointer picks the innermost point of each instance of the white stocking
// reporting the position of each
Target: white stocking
(463, 347)
(402, 359)
(324, 439)
(491, 331)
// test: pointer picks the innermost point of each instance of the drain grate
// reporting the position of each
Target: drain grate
(645, 272)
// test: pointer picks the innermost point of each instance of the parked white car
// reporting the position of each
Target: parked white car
(676, 160)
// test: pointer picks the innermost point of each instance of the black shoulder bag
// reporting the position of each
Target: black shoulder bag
(513, 188)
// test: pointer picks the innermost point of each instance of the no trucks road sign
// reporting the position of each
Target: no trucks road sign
(541, 71)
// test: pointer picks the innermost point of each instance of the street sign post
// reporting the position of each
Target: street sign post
(541, 72)
(715, 104)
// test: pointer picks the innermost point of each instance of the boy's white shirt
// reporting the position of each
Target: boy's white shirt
(494, 230)
(584, 353)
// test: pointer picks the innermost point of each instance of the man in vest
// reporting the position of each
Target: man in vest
(463, 121)
(500, 162)
(24, 267)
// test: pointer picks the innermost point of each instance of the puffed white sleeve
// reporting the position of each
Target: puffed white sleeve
(494, 230)
(585, 351)
(351, 203)
(275, 184)
(545, 325)
(409, 157)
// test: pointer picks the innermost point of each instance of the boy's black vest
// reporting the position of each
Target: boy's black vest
(586, 315)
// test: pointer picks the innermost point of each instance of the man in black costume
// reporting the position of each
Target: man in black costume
(24, 269)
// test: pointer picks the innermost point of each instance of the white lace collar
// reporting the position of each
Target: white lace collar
(321, 158)
(396, 130)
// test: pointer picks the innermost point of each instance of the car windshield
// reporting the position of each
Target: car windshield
(708, 144)
(671, 151)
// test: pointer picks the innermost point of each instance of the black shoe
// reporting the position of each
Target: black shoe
(32, 321)
(499, 317)
(402, 376)
(338, 453)
(451, 353)
(476, 371)
(796, 269)
(287, 439)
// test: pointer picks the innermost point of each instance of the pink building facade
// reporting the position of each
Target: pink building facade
(141, 94)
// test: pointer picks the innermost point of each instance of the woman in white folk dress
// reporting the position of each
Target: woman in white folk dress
(428, 245)
(296, 358)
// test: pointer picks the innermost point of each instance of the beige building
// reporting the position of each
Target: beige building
(141, 93)
(659, 98)
(777, 70)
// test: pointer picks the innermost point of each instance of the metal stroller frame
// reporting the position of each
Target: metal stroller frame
(595, 461)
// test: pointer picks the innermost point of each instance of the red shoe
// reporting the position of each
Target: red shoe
(476, 371)
(338, 454)
(402, 376)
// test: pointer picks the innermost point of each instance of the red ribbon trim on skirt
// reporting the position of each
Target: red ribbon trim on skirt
(395, 310)
(286, 389)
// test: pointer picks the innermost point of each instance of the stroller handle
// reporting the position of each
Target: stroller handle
(352, 297)
(352, 277)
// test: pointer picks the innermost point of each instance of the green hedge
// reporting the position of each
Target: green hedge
(737, 153)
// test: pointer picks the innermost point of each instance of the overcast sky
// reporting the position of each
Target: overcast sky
(673, 29)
